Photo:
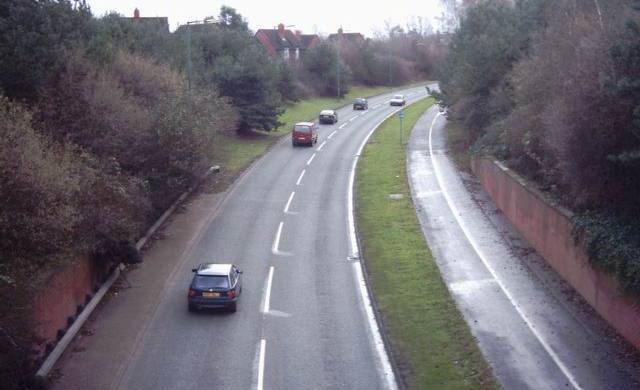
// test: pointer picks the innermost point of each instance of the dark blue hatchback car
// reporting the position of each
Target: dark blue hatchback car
(215, 286)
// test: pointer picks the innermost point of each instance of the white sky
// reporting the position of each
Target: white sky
(322, 17)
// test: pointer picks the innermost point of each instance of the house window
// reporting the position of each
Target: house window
(286, 53)
(297, 54)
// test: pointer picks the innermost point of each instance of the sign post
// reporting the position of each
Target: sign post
(401, 116)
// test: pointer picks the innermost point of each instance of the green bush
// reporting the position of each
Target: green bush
(613, 245)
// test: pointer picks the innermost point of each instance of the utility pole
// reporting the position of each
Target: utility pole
(338, 68)
(389, 57)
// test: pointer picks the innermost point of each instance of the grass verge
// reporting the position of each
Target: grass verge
(236, 152)
(432, 345)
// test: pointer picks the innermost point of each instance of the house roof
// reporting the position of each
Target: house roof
(158, 21)
(280, 40)
(352, 37)
(307, 40)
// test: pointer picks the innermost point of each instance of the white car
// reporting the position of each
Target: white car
(397, 100)
(328, 116)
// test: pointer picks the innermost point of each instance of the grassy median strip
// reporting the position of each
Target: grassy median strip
(430, 340)
(235, 152)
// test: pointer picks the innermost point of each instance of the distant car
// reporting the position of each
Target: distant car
(304, 133)
(398, 100)
(328, 116)
(215, 286)
(360, 104)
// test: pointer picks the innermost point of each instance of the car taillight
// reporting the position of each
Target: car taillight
(231, 294)
(192, 292)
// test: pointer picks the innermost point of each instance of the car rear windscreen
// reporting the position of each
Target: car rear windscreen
(302, 129)
(211, 281)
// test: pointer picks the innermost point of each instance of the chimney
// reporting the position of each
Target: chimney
(340, 31)
(136, 13)
(298, 33)
(281, 30)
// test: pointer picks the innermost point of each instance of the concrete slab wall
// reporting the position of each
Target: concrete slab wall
(547, 227)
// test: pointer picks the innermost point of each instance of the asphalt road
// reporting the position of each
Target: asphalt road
(302, 322)
(535, 333)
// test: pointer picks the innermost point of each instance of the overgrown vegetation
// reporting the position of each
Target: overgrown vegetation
(552, 87)
(430, 340)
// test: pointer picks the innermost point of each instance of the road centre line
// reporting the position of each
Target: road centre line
(321, 146)
(342, 126)
(300, 177)
(267, 293)
(332, 134)
(474, 245)
(286, 208)
(352, 119)
(263, 347)
(276, 242)
(311, 159)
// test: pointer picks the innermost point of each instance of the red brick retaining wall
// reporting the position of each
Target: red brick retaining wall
(66, 289)
(547, 228)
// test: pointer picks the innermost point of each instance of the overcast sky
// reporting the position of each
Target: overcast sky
(322, 16)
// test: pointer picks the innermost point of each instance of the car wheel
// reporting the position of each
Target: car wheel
(192, 307)
(293, 143)
(233, 307)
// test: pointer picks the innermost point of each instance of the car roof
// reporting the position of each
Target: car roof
(211, 269)
(327, 112)
(398, 96)
(359, 99)
(305, 124)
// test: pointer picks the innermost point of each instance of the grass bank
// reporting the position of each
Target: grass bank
(430, 341)
(235, 152)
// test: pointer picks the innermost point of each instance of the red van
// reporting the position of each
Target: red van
(304, 133)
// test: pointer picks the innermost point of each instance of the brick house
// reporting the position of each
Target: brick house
(346, 37)
(286, 44)
(161, 23)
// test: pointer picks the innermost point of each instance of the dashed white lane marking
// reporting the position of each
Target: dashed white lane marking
(332, 134)
(311, 159)
(276, 242)
(476, 248)
(342, 126)
(267, 293)
(321, 146)
(386, 371)
(352, 119)
(263, 347)
(286, 208)
(300, 177)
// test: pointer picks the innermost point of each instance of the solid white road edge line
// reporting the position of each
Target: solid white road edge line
(455, 212)
(385, 365)
(332, 134)
(321, 146)
(342, 126)
(286, 208)
(300, 177)
(263, 346)
(311, 159)
(267, 293)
